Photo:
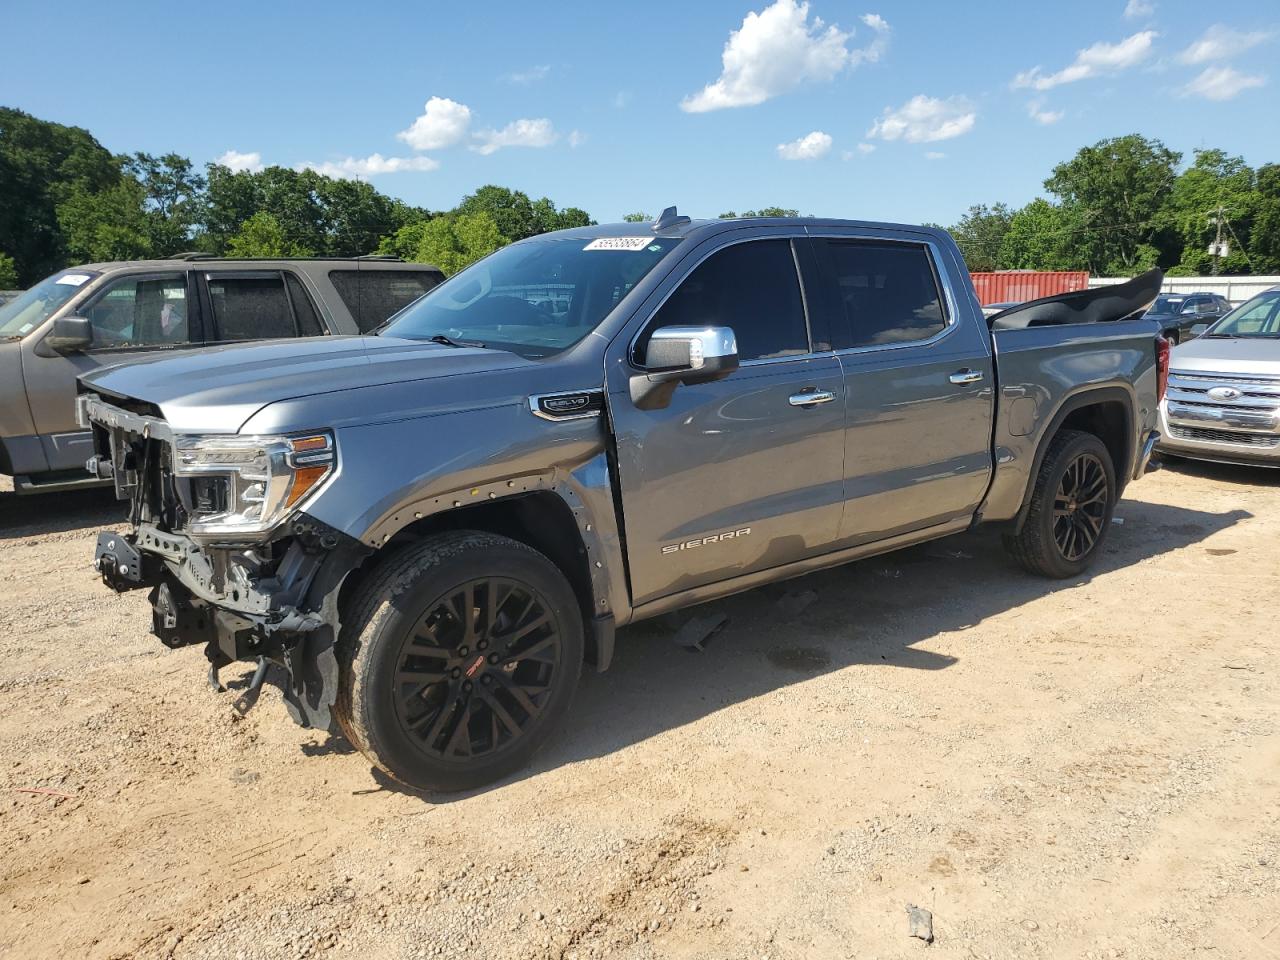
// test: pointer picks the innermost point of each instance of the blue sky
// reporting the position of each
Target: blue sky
(902, 111)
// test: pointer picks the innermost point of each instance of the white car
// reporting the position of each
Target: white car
(1223, 401)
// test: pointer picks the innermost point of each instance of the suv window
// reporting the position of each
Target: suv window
(304, 311)
(373, 295)
(888, 290)
(752, 287)
(250, 307)
(141, 311)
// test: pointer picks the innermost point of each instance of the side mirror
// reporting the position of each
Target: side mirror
(685, 355)
(68, 335)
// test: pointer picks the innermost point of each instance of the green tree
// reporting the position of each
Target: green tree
(1264, 241)
(980, 233)
(636, 217)
(762, 212)
(1117, 191)
(106, 224)
(405, 241)
(1213, 180)
(41, 165)
(1041, 236)
(340, 218)
(174, 199)
(263, 236)
(8, 272)
(452, 242)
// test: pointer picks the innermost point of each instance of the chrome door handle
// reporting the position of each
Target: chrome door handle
(811, 399)
(966, 376)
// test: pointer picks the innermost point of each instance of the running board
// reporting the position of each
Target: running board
(57, 483)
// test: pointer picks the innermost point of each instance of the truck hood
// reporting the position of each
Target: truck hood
(218, 389)
(1239, 355)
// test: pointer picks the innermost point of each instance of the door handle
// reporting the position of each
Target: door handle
(967, 376)
(811, 399)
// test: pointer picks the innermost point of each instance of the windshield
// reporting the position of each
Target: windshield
(1259, 317)
(1166, 304)
(33, 307)
(536, 298)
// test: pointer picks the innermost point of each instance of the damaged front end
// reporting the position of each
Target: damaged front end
(218, 534)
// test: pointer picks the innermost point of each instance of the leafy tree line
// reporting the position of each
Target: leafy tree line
(1125, 205)
(64, 199)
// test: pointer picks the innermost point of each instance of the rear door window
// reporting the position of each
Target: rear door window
(141, 311)
(373, 295)
(251, 307)
(888, 291)
(304, 309)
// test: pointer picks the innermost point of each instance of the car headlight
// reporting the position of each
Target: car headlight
(242, 487)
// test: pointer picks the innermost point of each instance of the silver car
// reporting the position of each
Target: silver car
(1223, 402)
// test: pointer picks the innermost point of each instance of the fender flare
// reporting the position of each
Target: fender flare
(1086, 396)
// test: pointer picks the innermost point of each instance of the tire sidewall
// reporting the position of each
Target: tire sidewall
(373, 692)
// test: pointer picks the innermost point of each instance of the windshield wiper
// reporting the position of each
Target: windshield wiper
(450, 342)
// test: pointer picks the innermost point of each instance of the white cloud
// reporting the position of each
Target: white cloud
(576, 139)
(1220, 42)
(362, 168)
(935, 155)
(1221, 83)
(1040, 115)
(1139, 9)
(239, 162)
(443, 123)
(777, 50)
(865, 148)
(532, 75)
(1101, 58)
(925, 119)
(517, 133)
(809, 147)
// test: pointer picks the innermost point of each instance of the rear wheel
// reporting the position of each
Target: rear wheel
(459, 659)
(1071, 507)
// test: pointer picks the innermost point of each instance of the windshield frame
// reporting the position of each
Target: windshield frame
(11, 312)
(586, 284)
(1214, 331)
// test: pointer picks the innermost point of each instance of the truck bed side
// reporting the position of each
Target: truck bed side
(1100, 376)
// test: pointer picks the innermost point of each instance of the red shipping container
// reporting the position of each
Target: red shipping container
(1017, 286)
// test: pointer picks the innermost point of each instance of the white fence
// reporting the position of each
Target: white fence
(1235, 289)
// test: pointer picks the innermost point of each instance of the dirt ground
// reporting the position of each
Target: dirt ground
(1085, 769)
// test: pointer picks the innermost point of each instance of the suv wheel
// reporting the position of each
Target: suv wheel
(1071, 507)
(459, 658)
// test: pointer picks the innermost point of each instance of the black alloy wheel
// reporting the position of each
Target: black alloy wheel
(1080, 506)
(477, 669)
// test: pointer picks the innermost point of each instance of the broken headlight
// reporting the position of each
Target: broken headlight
(242, 487)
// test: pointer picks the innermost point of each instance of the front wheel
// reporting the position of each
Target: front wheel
(1071, 506)
(458, 659)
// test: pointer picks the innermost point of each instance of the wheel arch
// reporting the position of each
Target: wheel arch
(1107, 413)
(549, 518)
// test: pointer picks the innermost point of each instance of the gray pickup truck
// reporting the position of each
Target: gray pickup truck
(423, 534)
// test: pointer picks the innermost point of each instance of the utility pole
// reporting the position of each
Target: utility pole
(1217, 217)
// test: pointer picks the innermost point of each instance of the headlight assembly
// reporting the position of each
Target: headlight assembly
(242, 487)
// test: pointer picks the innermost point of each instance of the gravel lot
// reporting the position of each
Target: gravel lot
(1084, 769)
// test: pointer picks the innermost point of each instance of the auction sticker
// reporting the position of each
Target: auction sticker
(72, 279)
(619, 243)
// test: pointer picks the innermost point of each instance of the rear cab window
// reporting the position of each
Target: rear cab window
(374, 295)
(887, 290)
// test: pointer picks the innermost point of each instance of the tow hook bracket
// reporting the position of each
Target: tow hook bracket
(118, 562)
(244, 703)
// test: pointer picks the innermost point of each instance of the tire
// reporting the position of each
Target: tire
(1063, 532)
(440, 700)
(1173, 336)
